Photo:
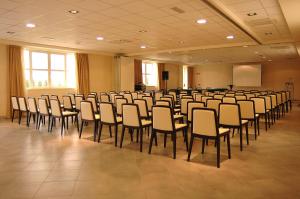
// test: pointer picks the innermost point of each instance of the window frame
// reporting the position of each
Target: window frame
(49, 69)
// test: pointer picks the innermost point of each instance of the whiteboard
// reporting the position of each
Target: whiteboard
(247, 75)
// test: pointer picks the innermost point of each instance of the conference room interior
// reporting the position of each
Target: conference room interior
(149, 99)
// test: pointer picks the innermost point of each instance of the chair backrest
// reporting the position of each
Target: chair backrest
(268, 101)
(229, 95)
(52, 97)
(241, 97)
(131, 115)
(32, 105)
(129, 98)
(158, 95)
(279, 98)
(284, 98)
(274, 100)
(260, 104)
(170, 99)
(183, 107)
(22, 103)
(247, 108)
(107, 113)
(249, 95)
(239, 93)
(205, 98)
(162, 118)
(213, 104)
(112, 97)
(230, 100)
(55, 108)
(104, 98)
(187, 97)
(94, 103)
(190, 106)
(67, 101)
(15, 103)
(134, 95)
(87, 110)
(142, 104)
(163, 103)
(288, 95)
(78, 99)
(149, 101)
(72, 98)
(47, 99)
(218, 96)
(173, 93)
(140, 95)
(229, 114)
(119, 104)
(43, 106)
(198, 97)
(204, 122)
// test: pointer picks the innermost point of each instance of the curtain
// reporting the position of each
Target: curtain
(160, 69)
(190, 77)
(15, 70)
(138, 78)
(83, 73)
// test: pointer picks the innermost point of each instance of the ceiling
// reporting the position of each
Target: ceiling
(163, 26)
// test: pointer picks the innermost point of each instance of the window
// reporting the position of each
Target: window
(185, 77)
(149, 73)
(49, 70)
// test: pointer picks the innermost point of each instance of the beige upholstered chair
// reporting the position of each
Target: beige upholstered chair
(112, 97)
(198, 97)
(15, 107)
(110, 118)
(247, 108)
(163, 103)
(134, 95)
(131, 119)
(78, 99)
(163, 122)
(129, 98)
(143, 108)
(47, 98)
(149, 101)
(140, 95)
(67, 102)
(280, 104)
(94, 103)
(230, 117)
(205, 98)
(269, 109)
(205, 126)
(89, 115)
(260, 108)
(43, 112)
(194, 93)
(158, 95)
(229, 100)
(229, 95)
(56, 112)
(289, 100)
(23, 109)
(119, 104)
(249, 95)
(184, 102)
(241, 97)
(190, 106)
(104, 98)
(218, 96)
(33, 111)
(284, 102)
(274, 106)
(173, 93)
(213, 104)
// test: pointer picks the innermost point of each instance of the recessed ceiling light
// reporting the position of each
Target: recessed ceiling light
(143, 46)
(30, 25)
(181, 42)
(99, 38)
(270, 60)
(251, 14)
(74, 12)
(264, 57)
(143, 31)
(256, 52)
(245, 46)
(10, 32)
(201, 21)
(230, 37)
(268, 33)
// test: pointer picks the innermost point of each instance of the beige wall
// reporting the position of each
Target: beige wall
(275, 74)
(3, 80)
(213, 75)
(175, 75)
(102, 73)
(126, 74)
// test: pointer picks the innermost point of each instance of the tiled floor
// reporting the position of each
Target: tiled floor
(36, 164)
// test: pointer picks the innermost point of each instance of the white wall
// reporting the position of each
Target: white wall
(213, 75)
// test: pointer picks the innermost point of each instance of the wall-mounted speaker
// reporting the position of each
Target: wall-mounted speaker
(165, 75)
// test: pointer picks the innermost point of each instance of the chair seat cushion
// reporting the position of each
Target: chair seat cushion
(146, 122)
(68, 113)
(223, 130)
(244, 121)
(180, 126)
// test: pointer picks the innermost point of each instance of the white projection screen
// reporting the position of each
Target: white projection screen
(247, 75)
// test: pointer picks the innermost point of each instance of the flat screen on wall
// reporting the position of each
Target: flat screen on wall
(247, 75)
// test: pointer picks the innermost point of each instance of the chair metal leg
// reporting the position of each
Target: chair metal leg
(81, 128)
(151, 140)
(20, 116)
(13, 116)
(141, 139)
(116, 135)
(241, 138)
(110, 131)
(95, 130)
(247, 134)
(255, 128)
(174, 145)
(165, 140)
(191, 146)
(62, 125)
(122, 137)
(228, 146)
(218, 151)
(186, 138)
(100, 131)
(203, 145)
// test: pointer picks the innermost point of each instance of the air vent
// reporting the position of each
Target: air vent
(260, 22)
(178, 10)
(120, 41)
